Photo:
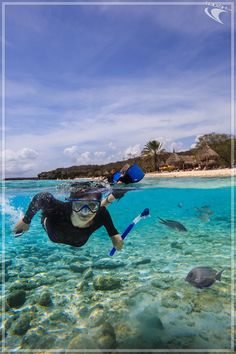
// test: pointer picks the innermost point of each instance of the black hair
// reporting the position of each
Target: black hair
(86, 189)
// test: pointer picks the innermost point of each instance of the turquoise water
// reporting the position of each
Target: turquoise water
(137, 299)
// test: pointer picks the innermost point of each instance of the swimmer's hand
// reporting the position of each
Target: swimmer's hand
(108, 200)
(21, 226)
(117, 241)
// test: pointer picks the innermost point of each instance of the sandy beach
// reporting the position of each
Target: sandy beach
(225, 172)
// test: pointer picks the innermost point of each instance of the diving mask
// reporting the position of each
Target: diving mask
(86, 205)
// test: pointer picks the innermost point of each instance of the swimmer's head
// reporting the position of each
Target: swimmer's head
(84, 190)
(86, 200)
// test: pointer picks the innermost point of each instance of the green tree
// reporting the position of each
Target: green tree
(223, 144)
(212, 138)
(153, 148)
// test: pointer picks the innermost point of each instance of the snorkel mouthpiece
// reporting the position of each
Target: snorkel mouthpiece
(146, 212)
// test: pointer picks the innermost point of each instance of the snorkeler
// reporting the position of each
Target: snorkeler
(74, 221)
(126, 175)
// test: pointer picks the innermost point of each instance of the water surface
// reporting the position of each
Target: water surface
(149, 304)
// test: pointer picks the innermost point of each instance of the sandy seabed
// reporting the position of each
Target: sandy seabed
(225, 172)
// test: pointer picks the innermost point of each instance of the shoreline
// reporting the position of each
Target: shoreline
(225, 172)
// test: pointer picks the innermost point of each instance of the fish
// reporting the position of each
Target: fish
(180, 205)
(203, 277)
(223, 218)
(204, 213)
(173, 224)
(205, 209)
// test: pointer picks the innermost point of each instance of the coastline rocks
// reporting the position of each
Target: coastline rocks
(16, 299)
(53, 258)
(107, 263)
(96, 317)
(160, 284)
(79, 267)
(22, 325)
(102, 337)
(34, 340)
(142, 261)
(10, 320)
(106, 282)
(82, 341)
(88, 274)
(25, 274)
(82, 285)
(83, 258)
(84, 311)
(206, 302)
(106, 336)
(48, 280)
(60, 316)
(45, 299)
(24, 285)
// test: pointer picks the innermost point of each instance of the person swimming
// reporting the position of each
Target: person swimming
(74, 221)
(126, 175)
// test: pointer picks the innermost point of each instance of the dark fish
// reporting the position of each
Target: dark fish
(173, 224)
(205, 209)
(180, 205)
(223, 218)
(203, 277)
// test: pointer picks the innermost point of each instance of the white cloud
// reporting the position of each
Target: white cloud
(102, 124)
(112, 146)
(17, 163)
(99, 154)
(132, 151)
(176, 146)
(84, 158)
(27, 154)
(71, 151)
(23, 154)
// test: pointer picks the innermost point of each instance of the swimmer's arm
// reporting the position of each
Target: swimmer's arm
(117, 242)
(41, 201)
(21, 226)
(108, 200)
(117, 193)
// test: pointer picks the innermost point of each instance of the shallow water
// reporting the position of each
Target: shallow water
(149, 305)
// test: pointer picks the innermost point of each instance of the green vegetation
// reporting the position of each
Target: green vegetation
(153, 148)
(153, 156)
(223, 144)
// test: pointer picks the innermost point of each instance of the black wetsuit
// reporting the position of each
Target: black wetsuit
(58, 223)
(126, 179)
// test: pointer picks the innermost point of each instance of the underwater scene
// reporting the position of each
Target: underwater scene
(168, 289)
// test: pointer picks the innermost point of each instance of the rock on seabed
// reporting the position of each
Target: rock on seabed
(106, 282)
(16, 299)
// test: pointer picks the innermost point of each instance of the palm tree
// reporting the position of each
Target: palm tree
(153, 148)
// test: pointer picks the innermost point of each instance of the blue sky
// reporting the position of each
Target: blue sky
(93, 84)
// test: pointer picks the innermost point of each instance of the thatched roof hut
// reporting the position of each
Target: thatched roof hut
(175, 160)
(206, 153)
(189, 161)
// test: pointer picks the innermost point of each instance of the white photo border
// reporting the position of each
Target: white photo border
(3, 174)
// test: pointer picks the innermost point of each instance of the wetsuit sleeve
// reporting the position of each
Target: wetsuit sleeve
(108, 223)
(44, 202)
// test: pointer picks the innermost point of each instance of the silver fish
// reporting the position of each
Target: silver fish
(173, 224)
(203, 277)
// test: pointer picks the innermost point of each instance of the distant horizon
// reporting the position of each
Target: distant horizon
(93, 84)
